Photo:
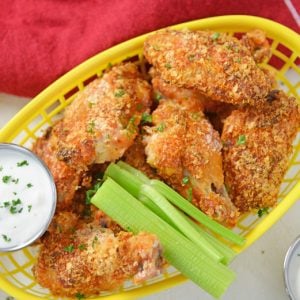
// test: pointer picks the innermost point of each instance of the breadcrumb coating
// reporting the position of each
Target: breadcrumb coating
(257, 145)
(216, 64)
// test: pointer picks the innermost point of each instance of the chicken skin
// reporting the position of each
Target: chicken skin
(216, 64)
(186, 152)
(98, 126)
(92, 259)
(257, 145)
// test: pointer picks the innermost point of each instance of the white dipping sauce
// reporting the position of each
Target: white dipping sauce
(27, 197)
(292, 270)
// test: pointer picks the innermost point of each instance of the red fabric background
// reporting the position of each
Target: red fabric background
(42, 39)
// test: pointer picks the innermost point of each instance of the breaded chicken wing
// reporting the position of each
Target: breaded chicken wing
(93, 259)
(256, 41)
(98, 126)
(257, 145)
(186, 152)
(216, 64)
(216, 111)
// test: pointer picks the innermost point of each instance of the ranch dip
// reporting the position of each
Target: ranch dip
(27, 197)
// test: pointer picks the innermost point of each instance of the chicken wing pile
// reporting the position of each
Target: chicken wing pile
(210, 123)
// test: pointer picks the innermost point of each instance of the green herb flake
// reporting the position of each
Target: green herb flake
(185, 180)
(191, 57)
(241, 140)
(146, 118)
(91, 127)
(6, 179)
(263, 211)
(168, 66)
(23, 163)
(161, 127)
(1, 168)
(29, 185)
(15, 180)
(119, 93)
(190, 194)
(95, 240)
(6, 204)
(29, 207)
(82, 247)
(79, 296)
(91, 192)
(69, 248)
(6, 238)
(157, 97)
(215, 36)
(91, 104)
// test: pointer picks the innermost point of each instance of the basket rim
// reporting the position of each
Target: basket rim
(242, 22)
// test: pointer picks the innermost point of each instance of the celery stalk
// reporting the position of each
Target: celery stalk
(195, 213)
(179, 251)
(180, 222)
(135, 186)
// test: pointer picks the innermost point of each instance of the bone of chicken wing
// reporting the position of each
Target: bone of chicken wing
(216, 64)
(98, 126)
(93, 259)
(183, 144)
(257, 145)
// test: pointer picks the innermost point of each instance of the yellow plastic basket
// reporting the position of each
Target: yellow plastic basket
(15, 268)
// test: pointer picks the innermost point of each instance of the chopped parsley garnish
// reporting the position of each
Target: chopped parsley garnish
(91, 127)
(190, 194)
(263, 211)
(94, 241)
(23, 163)
(241, 140)
(6, 204)
(6, 238)
(6, 179)
(82, 247)
(29, 185)
(185, 180)
(215, 36)
(168, 66)
(79, 296)
(161, 127)
(29, 207)
(90, 193)
(157, 96)
(15, 180)
(1, 168)
(191, 57)
(69, 248)
(119, 93)
(146, 118)
(132, 127)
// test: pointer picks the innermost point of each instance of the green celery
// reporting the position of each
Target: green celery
(135, 186)
(195, 213)
(179, 251)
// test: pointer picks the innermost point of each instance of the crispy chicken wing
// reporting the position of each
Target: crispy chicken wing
(98, 126)
(257, 145)
(216, 64)
(93, 259)
(186, 151)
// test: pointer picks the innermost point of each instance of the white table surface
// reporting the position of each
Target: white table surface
(259, 269)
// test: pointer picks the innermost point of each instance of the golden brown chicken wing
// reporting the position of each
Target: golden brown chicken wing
(216, 64)
(257, 145)
(93, 259)
(99, 125)
(186, 151)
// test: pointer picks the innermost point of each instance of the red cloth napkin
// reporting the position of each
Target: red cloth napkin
(42, 39)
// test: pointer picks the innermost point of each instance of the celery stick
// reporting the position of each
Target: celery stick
(225, 250)
(180, 222)
(133, 184)
(195, 213)
(140, 175)
(179, 251)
